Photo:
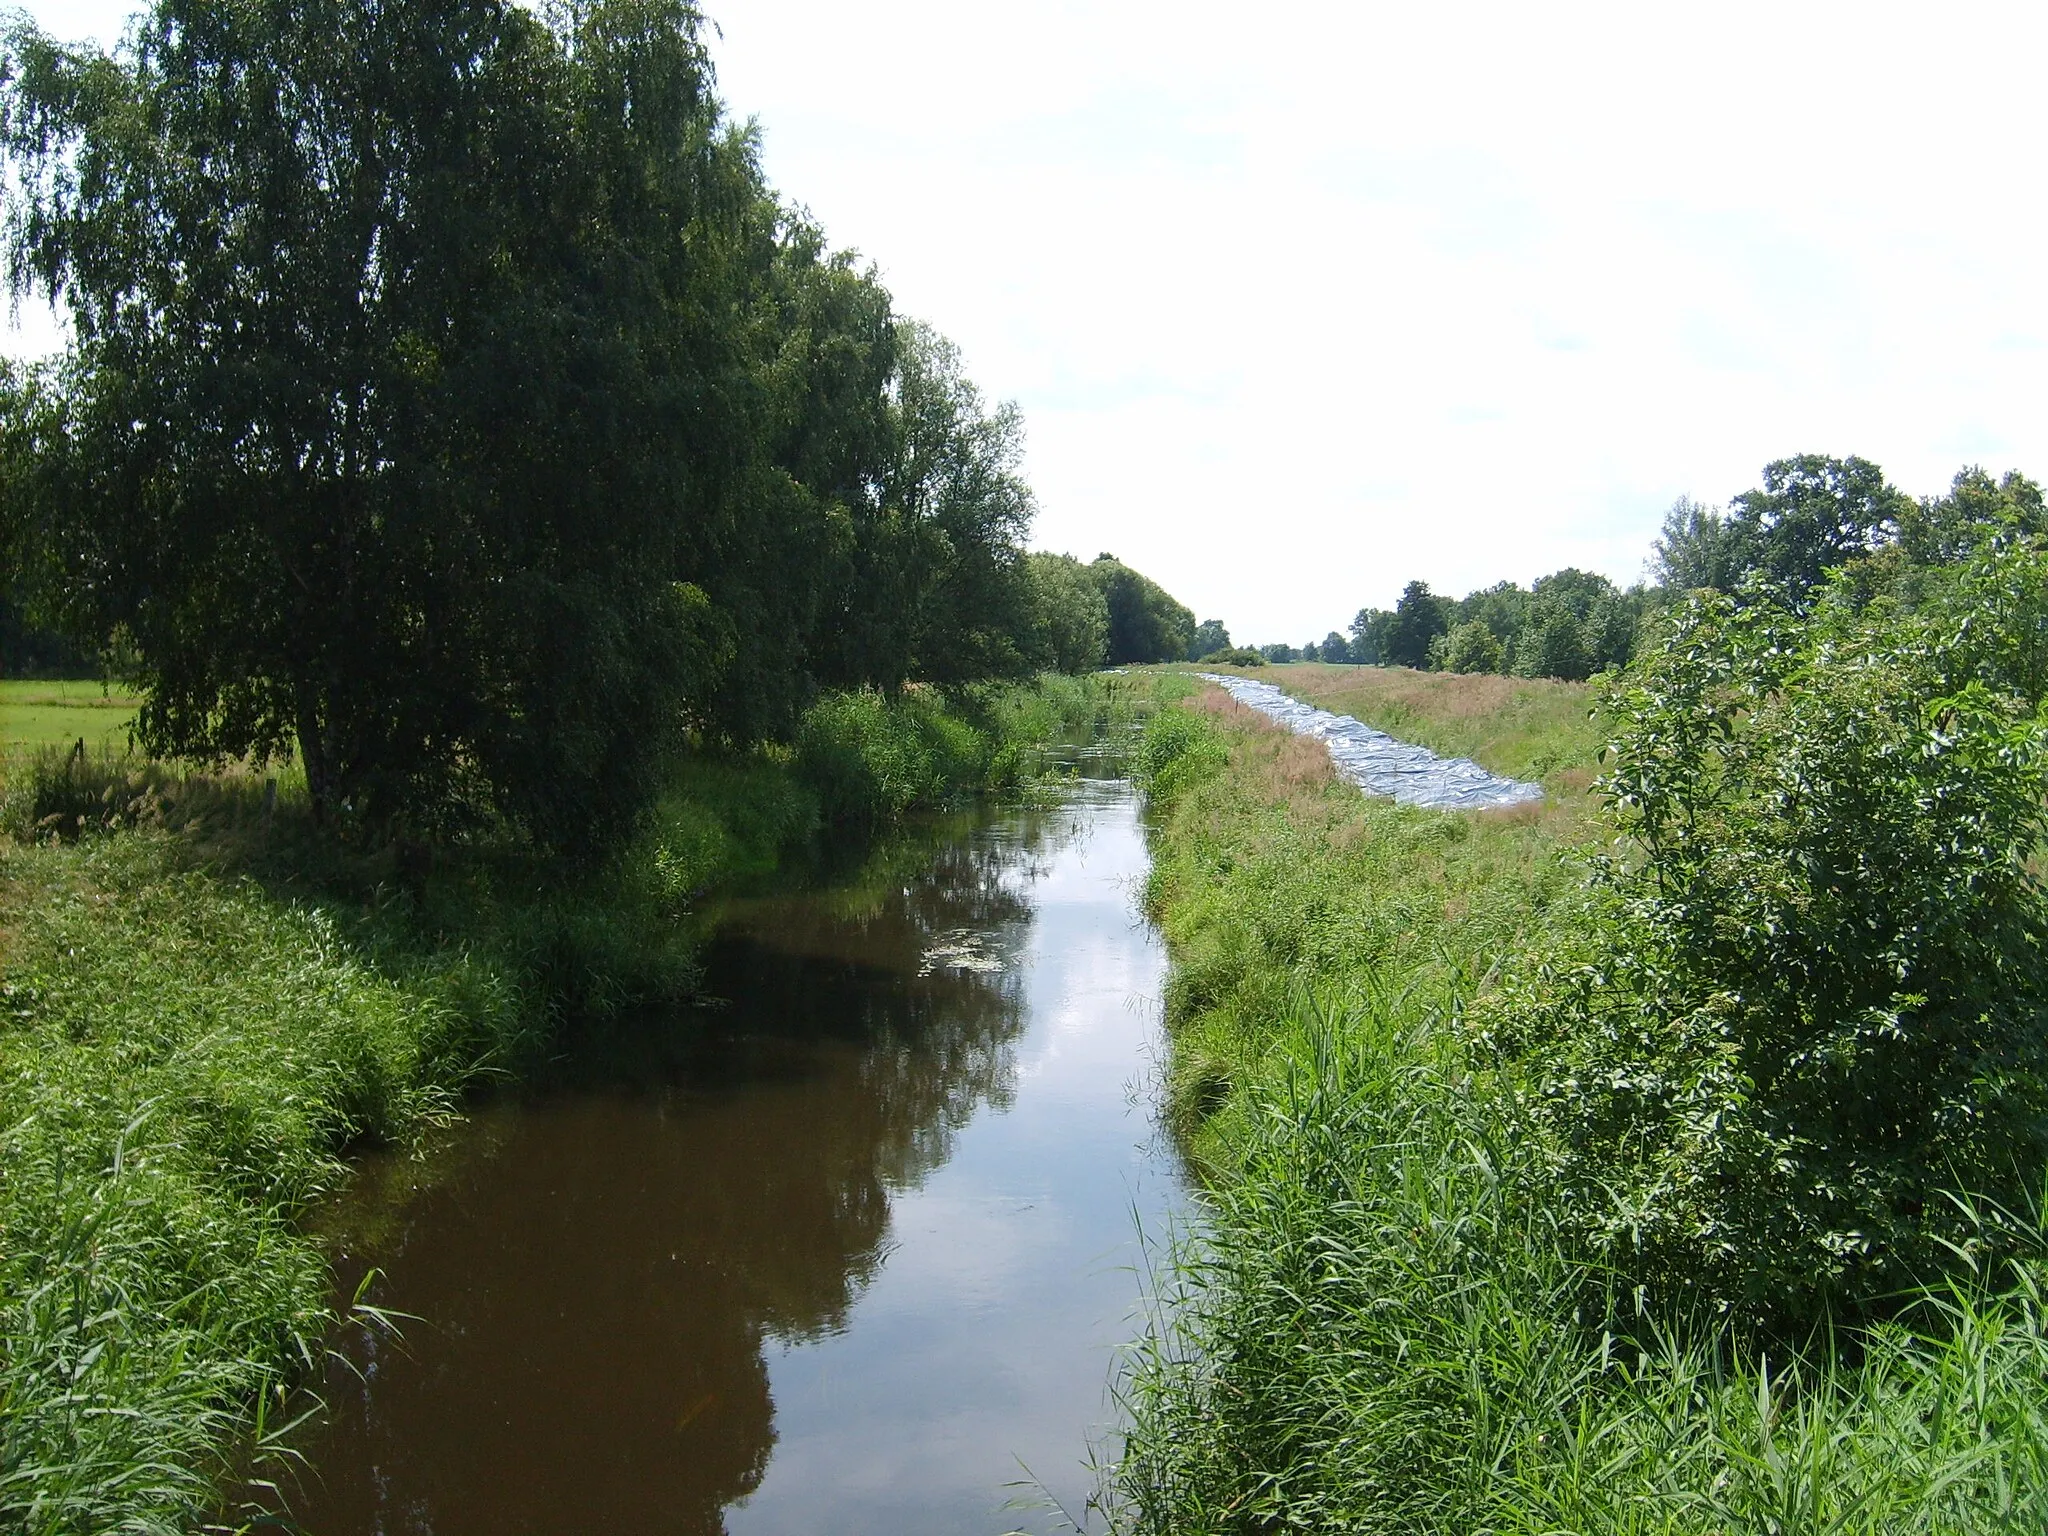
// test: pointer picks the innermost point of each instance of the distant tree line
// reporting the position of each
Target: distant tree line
(1812, 515)
(1569, 624)
(451, 402)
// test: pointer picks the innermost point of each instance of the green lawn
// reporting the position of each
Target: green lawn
(40, 714)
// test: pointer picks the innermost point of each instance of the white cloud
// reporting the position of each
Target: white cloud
(1304, 301)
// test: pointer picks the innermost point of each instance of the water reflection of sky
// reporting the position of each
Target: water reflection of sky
(985, 1343)
(848, 1252)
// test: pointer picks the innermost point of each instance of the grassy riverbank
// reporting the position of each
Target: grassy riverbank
(1271, 875)
(209, 1007)
(1391, 1323)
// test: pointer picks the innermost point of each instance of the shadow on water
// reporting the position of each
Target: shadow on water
(604, 1277)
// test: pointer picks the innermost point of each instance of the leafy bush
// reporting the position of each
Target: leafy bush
(1471, 647)
(1816, 1007)
(1234, 656)
(1371, 1331)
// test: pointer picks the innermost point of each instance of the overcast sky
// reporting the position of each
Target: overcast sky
(1304, 301)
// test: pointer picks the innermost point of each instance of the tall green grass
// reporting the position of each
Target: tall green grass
(872, 757)
(185, 1063)
(1380, 1323)
(1374, 1332)
(1270, 874)
(207, 1005)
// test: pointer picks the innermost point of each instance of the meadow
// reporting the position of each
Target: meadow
(51, 714)
(1389, 1319)
(212, 1006)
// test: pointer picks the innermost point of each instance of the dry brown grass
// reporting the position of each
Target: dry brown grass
(1526, 728)
(1434, 695)
(1278, 764)
(1278, 767)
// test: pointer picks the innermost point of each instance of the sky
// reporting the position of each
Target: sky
(1305, 301)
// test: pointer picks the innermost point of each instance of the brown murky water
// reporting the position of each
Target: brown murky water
(851, 1252)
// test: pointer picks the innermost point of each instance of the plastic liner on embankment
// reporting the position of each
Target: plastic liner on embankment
(1378, 763)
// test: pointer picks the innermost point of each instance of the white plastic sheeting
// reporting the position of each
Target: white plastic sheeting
(1378, 763)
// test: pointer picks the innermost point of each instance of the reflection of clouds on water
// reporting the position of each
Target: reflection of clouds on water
(598, 1273)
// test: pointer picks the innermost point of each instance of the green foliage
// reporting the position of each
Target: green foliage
(1372, 1332)
(1145, 624)
(871, 757)
(1234, 656)
(1815, 1006)
(1385, 1320)
(453, 406)
(1419, 618)
(1072, 618)
(1370, 629)
(1569, 625)
(1210, 637)
(960, 605)
(1471, 647)
(1812, 515)
(29, 650)
(1554, 646)
(1948, 530)
(1699, 547)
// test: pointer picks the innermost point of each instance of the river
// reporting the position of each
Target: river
(850, 1247)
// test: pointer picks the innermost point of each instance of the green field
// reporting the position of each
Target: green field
(48, 714)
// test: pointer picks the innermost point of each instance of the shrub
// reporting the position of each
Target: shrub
(1816, 1005)
(1471, 647)
(1234, 656)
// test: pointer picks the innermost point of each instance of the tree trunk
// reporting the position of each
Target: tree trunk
(313, 753)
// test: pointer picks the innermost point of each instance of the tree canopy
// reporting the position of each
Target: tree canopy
(453, 403)
(1813, 517)
(1145, 623)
